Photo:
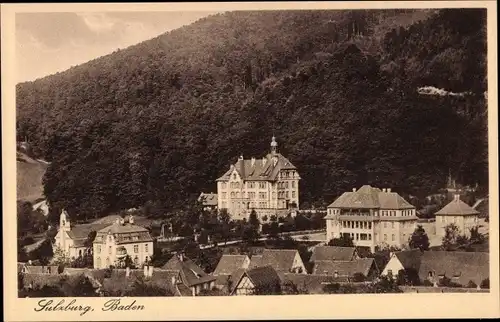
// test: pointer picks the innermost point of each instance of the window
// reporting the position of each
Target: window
(369, 225)
(393, 237)
(136, 248)
(287, 195)
(293, 194)
(223, 185)
(98, 249)
(224, 195)
(385, 237)
(369, 236)
(110, 249)
(98, 262)
(392, 225)
(286, 184)
(431, 274)
(357, 224)
(136, 260)
(234, 176)
(389, 272)
(146, 248)
(293, 184)
(107, 262)
(385, 225)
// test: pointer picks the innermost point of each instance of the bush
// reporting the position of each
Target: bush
(358, 277)
(427, 283)
(471, 284)
(485, 284)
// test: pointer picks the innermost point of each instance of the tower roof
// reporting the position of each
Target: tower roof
(457, 208)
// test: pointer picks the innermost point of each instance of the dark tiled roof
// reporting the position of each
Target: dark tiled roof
(191, 273)
(228, 264)
(312, 283)
(368, 197)
(467, 266)
(457, 207)
(278, 259)
(333, 253)
(259, 170)
(208, 199)
(344, 268)
(262, 276)
(82, 231)
(410, 259)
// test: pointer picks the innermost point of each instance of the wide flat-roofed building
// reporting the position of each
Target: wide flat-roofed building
(372, 217)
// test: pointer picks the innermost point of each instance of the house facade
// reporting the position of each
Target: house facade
(115, 242)
(270, 186)
(408, 261)
(459, 213)
(72, 240)
(188, 278)
(371, 217)
(258, 281)
(281, 260)
(208, 200)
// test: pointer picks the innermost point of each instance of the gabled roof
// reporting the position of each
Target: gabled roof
(259, 169)
(457, 208)
(82, 231)
(466, 266)
(368, 197)
(208, 199)
(312, 283)
(278, 259)
(344, 268)
(228, 264)
(191, 273)
(262, 276)
(410, 259)
(333, 253)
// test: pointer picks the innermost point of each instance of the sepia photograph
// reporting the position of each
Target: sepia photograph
(226, 153)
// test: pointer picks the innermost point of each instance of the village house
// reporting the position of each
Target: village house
(73, 240)
(27, 268)
(459, 213)
(459, 267)
(270, 186)
(334, 253)
(310, 283)
(281, 260)
(408, 261)
(364, 266)
(208, 200)
(189, 279)
(371, 217)
(227, 267)
(115, 242)
(257, 281)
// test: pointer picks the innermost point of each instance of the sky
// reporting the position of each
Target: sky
(47, 43)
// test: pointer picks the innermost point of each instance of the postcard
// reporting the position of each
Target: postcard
(250, 160)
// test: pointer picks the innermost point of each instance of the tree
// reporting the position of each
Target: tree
(450, 236)
(343, 241)
(485, 284)
(43, 253)
(274, 230)
(475, 236)
(419, 239)
(141, 288)
(60, 257)
(253, 220)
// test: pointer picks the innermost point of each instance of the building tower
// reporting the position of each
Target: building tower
(274, 146)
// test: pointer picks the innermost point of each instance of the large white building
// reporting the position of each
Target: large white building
(372, 217)
(459, 213)
(114, 243)
(269, 185)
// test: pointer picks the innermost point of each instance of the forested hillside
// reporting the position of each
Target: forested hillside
(158, 122)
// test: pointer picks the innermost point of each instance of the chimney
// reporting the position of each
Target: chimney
(336, 274)
(384, 190)
(122, 221)
(117, 221)
(353, 189)
(146, 271)
(151, 267)
(391, 254)
(181, 257)
(388, 189)
(253, 161)
(457, 197)
(127, 271)
(264, 160)
(131, 219)
(241, 157)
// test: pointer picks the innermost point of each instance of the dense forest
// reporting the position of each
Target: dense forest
(158, 122)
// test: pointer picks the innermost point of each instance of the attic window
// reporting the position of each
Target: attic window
(457, 275)
(431, 274)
